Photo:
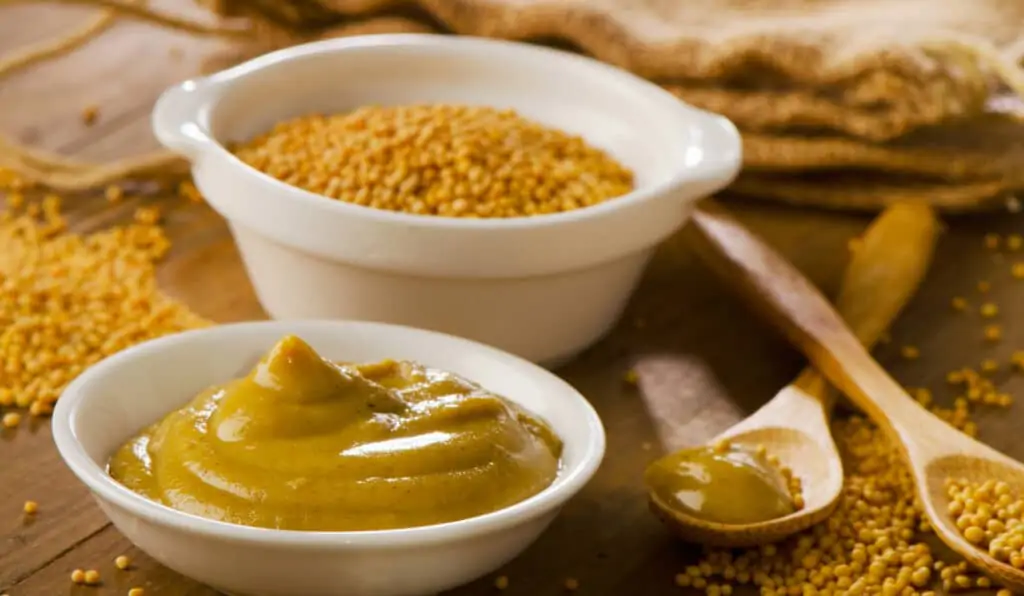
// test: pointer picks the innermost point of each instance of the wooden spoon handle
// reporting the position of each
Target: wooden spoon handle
(886, 267)
(781, 293)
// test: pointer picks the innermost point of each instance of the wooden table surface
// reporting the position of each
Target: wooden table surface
(703, 362)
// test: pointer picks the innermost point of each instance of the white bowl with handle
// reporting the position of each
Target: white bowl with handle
(543, 287)
(115, 399)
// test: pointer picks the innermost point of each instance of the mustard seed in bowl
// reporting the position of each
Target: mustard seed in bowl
(437, 159)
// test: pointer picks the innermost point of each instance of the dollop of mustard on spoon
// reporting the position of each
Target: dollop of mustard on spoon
(723, 483)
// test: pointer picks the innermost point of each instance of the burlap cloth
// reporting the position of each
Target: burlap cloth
(894, 95)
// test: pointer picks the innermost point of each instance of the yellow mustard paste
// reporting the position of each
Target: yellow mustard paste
(302, 443)
(731, 486)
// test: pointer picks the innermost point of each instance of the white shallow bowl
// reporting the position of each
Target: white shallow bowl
(544, 287)
(113, 400)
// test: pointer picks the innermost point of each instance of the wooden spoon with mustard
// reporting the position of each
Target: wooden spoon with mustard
(729, 494)
(933, 450)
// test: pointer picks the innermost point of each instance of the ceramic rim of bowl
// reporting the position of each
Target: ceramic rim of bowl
(566, 485)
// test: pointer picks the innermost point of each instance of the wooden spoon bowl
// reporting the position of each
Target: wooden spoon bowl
(805, 456)
(884, 272)
(976, 463)
(932, 449)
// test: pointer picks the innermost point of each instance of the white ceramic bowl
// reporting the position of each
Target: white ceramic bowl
(542, 287)
(119, 396)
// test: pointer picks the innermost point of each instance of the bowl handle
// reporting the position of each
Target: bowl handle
(722, 155)
(176, 117)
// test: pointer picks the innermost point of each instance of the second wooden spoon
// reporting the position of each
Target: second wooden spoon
(933, 450)
(884, 271)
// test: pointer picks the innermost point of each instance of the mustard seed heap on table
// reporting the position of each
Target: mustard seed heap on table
(448, 160)
(69, 300)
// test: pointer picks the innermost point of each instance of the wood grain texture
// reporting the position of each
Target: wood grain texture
(703, 362)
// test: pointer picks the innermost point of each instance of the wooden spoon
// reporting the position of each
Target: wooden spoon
(933, 450)
(885, 269)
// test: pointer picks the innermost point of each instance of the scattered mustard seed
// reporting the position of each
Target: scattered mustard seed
(15, 200)
(78, 576)
(501, 582)
(89, 114)
(993, 333)
(31, 507)
(631, 377)
(69, 300)
(122, 562)
(910, 352)
(92, 577)
(113, 193)
(147, 215)
(989, 366)
(39, 408)
(984, 286)
(1017, 270)
(1014, 242)
(188, 191)
(988, 310)
(136, 592)
(959, 303)
(992, 241)
(11, 420)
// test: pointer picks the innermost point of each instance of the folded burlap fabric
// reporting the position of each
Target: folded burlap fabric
(895, 89)
(985, 147)
(870, 68)
(871, 192)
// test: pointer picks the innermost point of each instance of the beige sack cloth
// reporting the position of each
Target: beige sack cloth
(873, 192)
(771, 65)
(990, 146)
(870, 68)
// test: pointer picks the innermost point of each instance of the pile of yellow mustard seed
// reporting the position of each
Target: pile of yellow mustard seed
(990, 516)
(69, 300)
(447, 160)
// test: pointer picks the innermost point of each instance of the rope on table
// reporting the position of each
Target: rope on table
(56, 172)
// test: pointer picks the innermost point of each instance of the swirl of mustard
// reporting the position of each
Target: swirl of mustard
(302, 443)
